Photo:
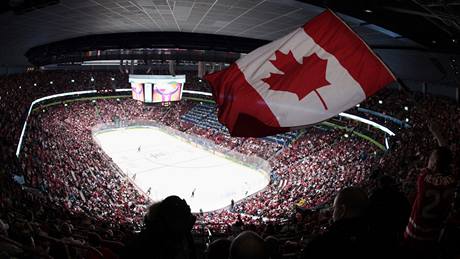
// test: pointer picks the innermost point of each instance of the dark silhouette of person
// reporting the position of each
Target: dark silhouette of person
(436, 186)
(272, 245)
(167, 232)
(95, 241)
(388, 213)
(248, 245)
(348, 236)
(218, 249)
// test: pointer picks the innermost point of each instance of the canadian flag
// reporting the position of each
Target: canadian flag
(306, 77)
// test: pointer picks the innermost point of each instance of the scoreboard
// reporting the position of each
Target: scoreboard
(157, 88)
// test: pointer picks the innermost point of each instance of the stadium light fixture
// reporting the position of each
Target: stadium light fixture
(371, 123)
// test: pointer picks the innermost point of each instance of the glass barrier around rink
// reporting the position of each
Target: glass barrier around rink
(251, 161)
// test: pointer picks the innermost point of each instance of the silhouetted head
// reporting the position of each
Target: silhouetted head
(440, 160)
(167, 230)
(172, 215)
(94, 239)
(248, 245)
(66, 230)
(152, 215)
(351, 202)
(385, 182)
(272, 245)
(219, 249)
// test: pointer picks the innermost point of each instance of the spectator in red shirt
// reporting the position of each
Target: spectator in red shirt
(435, 192)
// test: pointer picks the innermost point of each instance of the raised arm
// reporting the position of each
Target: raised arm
(437, 134)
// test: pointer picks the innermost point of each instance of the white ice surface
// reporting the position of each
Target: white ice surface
(173, 167)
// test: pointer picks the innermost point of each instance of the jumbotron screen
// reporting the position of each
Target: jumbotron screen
(157, 88)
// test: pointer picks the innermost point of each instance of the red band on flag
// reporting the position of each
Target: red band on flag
(249, 103)
(334, 36)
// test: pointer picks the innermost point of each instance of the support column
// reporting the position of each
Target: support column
(172, 67)
(121, 67)
(457, 94)
(201, 69)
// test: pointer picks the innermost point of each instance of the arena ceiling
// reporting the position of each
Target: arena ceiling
(261, 20)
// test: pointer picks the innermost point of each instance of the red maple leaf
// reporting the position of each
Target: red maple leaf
(300, 79)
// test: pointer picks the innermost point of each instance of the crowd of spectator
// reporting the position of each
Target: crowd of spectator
(64, 191)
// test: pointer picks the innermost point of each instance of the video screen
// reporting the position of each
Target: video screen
(138, 91)
(157, 88)
(167, 91)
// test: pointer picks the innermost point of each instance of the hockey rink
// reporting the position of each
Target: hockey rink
(170, 166)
